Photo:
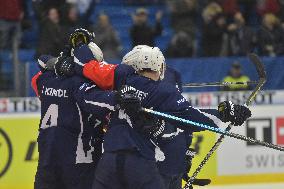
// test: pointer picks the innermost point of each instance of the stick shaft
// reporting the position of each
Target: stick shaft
(206, 158)
(218, 84)
(216, 130)
(262, 79)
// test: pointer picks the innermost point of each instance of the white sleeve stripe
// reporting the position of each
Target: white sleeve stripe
(77, 61)
(41, 63)
(100, 104)
(215, 119)
(174, 134)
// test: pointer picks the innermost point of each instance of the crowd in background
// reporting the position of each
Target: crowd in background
(221, 25)
(206, 28)
(225, 30)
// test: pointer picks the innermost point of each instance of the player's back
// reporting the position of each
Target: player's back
(64, 127)
(154, 94)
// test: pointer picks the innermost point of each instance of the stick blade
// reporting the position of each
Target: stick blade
(258, 64)
(201, 182)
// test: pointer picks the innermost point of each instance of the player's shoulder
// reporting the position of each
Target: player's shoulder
(122, 73)
(166, 88)
(124, 69)
(80, 83)
(46, 76)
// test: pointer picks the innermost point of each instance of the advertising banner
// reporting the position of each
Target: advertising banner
(243, 158)
(19, 105)
(198, 99)
(235, 161)
(209, 99)
(18, 151)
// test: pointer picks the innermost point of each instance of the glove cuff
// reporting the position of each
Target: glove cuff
(224, 109)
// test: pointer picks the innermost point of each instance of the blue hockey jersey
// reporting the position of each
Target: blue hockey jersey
(158, 95)
(72, 110)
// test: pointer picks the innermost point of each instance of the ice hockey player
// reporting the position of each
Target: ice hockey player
(126, 152)
(70, 134)
(175, 144)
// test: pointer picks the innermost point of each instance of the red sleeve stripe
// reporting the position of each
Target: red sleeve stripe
(34, 82)
(100, 73)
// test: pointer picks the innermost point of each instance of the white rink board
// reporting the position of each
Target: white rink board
(237, 157)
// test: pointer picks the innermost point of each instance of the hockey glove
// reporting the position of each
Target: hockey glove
(236, 114)
(80, 36)
(64, 66)
(128, 101)
(151, 125)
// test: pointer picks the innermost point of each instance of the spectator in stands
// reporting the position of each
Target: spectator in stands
(270, 36)
(180, 46)
(83, 10)
(141, 32)
(235, 75)
(247, 7)
(72, 19)
(183, 16)
(11, 14)
(107, 38)
(241, 37)
(267, 6)
(41, 7)
(51, 39)
(211, 11)
(214, 32)
(72, 16)
(281, 12)
(230, 7)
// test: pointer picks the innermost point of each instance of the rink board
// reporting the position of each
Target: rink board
(232, 164)
(21, 131)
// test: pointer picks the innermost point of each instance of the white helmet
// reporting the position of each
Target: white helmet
(144, 57)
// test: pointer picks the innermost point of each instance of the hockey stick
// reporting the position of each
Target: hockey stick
(218, 84)
(214, 129)
(262, 79)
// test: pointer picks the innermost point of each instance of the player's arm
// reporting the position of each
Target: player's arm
(45, 63)
(34, 82)
(85, 63)
(106, 76)
(95, 101)
(227, 111)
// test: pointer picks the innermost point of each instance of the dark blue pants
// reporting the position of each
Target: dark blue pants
(172, 182)
(127, 170)
(79, 176)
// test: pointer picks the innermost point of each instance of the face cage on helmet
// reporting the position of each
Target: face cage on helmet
(76, 36)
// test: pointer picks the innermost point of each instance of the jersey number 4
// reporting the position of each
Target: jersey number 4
(50, 117)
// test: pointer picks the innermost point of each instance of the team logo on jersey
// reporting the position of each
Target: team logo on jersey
(181, 100)
(140, 94)
(87, 86)
(6, 152)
